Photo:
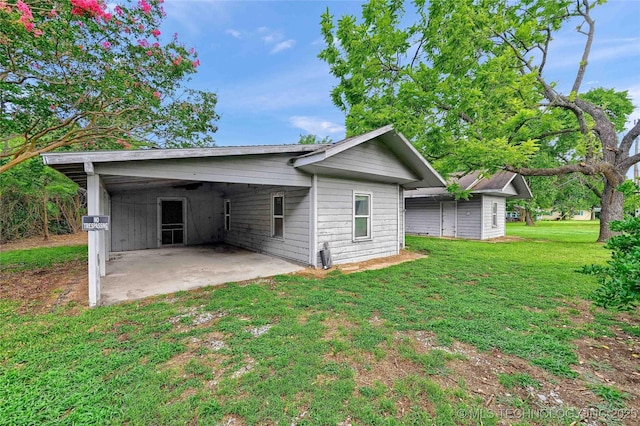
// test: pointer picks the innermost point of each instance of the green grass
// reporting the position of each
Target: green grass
(37, 258)
(148, 363)
(574, 231)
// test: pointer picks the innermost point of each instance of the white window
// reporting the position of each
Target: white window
(494, 215)
(227, 215)
(277, 215)
(361, 216)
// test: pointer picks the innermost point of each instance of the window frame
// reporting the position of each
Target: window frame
(227, 214)
(368, 216)
(274, 216)
(494, 214)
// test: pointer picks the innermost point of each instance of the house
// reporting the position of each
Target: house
(557, 215)
(434, 211)
(287, 201)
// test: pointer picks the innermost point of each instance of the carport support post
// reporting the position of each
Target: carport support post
(93, 208)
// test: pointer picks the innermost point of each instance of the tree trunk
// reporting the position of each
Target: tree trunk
(528, 218)
(45, 215)
(612, 209)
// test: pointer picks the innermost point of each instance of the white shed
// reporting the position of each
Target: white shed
(285, 200)
(435, 212)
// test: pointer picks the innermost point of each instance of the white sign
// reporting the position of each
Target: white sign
(95, 223)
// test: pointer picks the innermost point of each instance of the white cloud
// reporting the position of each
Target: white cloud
(275, 39)
(287, 44)
(234, 33)
(568, 54)
(315, 125)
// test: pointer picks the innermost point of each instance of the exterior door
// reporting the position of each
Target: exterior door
(449, 219)
(172, 222)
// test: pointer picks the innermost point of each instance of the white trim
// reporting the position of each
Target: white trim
(275, 195)
(162, 154)
(227, 215)
(482, 207)
(400, 233)
(159, 201)
(93, 208)
(494, 214)
(313, 222)
(369, 236)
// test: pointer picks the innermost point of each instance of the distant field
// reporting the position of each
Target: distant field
(576, 231)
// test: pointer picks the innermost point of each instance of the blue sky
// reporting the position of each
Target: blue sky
(260, 57)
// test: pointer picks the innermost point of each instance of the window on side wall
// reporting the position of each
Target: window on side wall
(494, 214)
(277, 215)
(227, 215)
(361, 216)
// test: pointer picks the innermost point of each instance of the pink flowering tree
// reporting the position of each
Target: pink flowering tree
(76, 73)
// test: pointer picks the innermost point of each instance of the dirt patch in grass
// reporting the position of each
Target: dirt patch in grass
(53, 241)
(369, 265)
(611, 361)
(43, 290)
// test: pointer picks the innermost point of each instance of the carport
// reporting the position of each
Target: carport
(137, 274)
(171, 209)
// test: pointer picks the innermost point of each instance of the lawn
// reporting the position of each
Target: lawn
(475, 333)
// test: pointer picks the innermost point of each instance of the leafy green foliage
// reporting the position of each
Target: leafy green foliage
(620, 278)
(73, 73)
(23, 189)
(466, 82)
(631, 193)
(313, 139)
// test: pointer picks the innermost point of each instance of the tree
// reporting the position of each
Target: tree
(37, 199)
(620, 277)
(466, 82)
(75, 72)
(313, 139)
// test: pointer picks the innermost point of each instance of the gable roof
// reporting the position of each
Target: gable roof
(497, 184)
(411, 171)
(424, 174)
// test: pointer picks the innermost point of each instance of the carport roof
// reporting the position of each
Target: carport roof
(76, 165)
(307, 158)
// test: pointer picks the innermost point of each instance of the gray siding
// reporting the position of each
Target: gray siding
(489, 230)
(251, 221)
(470, 218)
(258, 169)
(422, 216)
(335, 220)
(134, 217)
(373, 158)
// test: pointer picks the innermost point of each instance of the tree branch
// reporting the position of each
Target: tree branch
(587, 47)
(589, 185)
(585, 169)
(630, 137)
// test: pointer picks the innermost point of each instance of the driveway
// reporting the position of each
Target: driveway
(134, 275)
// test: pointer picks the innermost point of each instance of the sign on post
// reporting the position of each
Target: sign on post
(95, 223)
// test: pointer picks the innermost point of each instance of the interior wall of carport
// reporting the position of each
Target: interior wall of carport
(251, 215)
(134, 215)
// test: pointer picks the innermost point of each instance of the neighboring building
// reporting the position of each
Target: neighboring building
(435, 212)
(556, 215)
(286, 200)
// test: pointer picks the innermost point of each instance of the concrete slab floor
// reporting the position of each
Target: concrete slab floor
(134, 275)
